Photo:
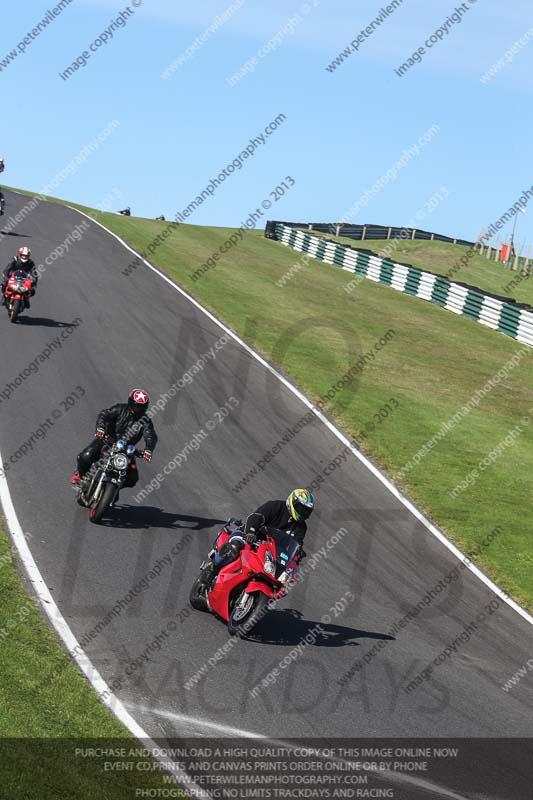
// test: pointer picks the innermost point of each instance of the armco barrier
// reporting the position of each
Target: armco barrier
(512, 319)
(362, 232)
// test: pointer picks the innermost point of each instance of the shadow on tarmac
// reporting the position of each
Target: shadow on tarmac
(287, 627)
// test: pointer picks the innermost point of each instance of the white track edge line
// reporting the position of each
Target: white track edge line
(368, 464)
(49, 605)
(65, 633)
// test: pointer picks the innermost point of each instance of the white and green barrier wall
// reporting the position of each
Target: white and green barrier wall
(506, 317)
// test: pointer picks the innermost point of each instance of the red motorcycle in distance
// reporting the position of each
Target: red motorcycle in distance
(241, 591)
(18, 287)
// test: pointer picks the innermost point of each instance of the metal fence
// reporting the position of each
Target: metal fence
(362, 232)
(502, 314)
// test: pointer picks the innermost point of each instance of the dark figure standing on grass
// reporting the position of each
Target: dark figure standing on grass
(127, 421)
(2, 201)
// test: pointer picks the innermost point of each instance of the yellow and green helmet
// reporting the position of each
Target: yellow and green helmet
(300, 504)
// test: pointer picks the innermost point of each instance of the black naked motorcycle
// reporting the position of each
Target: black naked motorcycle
(100, 489)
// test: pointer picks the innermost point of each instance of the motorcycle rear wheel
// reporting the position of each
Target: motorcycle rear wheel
(197, 597)
(108, 495)
(246, 613)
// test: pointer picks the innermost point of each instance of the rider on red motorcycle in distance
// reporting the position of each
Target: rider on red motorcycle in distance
(22, 261)
(286, 515)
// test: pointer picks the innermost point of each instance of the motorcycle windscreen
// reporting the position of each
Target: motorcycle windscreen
(286, 548)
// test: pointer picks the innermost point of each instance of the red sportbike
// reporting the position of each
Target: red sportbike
(242, 590)
(18, 287)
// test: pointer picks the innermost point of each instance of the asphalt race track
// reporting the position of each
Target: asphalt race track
(138, 331)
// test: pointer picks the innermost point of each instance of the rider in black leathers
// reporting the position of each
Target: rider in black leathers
(127, 421)
(23, 262)
(286, 515)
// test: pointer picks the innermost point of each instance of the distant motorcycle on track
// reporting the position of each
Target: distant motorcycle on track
(99, 491)
(19, 287)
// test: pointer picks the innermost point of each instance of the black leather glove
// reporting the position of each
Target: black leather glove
(32, 292)
(251, 538)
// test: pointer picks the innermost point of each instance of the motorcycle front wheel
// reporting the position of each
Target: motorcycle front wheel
(15, 310)
(249, 608)
(108, 495)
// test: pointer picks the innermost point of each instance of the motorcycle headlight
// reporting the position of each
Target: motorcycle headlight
(270, 565)
(120, 461)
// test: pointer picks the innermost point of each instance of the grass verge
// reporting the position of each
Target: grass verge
(43, 720)
(441, 257)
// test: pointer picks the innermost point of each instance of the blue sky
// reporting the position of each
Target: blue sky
(343, 130)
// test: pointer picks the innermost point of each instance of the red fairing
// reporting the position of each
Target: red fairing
(13, 288)
(222, 538)
(244, 571)
(258, 586)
